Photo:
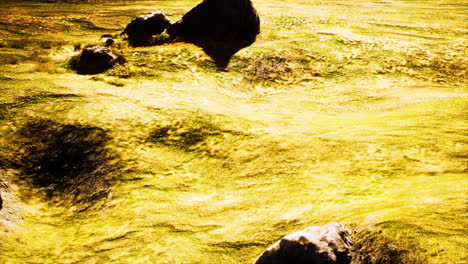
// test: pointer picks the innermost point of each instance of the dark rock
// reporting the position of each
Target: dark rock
(77, 47)
(220, 27)
(95, 59)
(1, 202)
(328, 244)
(106, 36)
(109, 42)
(141, 30)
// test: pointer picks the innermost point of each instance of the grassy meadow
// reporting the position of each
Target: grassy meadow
(346, 111)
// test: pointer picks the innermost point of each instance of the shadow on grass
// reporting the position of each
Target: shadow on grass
(69, 162)
(24, 101)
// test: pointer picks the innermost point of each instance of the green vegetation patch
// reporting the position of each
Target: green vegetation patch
(347, 111)
(194, 132)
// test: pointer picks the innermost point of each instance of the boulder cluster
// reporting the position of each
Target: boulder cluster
(220, 27)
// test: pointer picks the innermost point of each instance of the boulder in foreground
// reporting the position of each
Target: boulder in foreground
(328, 244)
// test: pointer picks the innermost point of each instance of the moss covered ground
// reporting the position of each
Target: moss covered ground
(346, 111)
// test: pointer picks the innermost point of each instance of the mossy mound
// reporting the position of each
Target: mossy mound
(198, 132)
(64, 160)
(188, 130)
(373, 247)
(184, 132)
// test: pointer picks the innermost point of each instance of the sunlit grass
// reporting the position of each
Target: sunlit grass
(342, 111)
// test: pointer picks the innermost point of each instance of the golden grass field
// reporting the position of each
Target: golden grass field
(346, 111)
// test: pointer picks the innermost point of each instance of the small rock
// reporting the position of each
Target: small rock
(106, 36)
(95, 59)
(109, 42)
(328, 244)
(141, 30)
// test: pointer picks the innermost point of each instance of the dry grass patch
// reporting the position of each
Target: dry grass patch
(277, 68)
(373, 247)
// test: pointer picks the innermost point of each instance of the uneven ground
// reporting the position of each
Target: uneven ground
(347, 111)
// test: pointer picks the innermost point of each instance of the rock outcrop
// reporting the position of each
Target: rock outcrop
(141, 30)
(328, 244)
(94, 60)
(220, 27)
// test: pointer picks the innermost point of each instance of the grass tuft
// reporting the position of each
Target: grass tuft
(6, 58)
(279, 68)
(373, 247)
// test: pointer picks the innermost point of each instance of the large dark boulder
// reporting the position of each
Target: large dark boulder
(328, 244)
(94, 60)
(220, 27)
(141, 30)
